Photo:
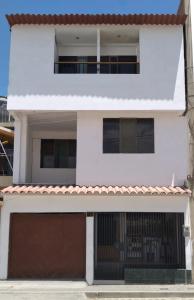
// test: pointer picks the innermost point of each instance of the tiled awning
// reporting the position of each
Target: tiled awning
(96, 190)
(98, 19)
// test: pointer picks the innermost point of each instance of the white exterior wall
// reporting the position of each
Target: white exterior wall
(54, 204)
(107, 49)
(168, 165)
(34, 86)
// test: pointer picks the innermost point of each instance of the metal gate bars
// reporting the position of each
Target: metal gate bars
(140, 241)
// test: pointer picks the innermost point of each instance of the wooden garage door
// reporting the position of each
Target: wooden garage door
(47, 246)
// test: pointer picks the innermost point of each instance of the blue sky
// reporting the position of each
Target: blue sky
(69, 6)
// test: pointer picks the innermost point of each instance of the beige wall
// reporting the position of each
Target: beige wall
(5, 180)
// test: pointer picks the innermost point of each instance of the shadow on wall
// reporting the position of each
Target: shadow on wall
(161, 78)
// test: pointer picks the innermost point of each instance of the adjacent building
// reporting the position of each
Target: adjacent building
(101, 150)
(187, 7)
(6, 144)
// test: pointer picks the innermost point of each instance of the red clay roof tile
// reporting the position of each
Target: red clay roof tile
(98, 19)
(96, 190)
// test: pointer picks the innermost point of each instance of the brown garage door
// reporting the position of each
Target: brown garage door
(47, 246)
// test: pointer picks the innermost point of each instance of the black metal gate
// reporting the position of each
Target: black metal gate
(137, 241)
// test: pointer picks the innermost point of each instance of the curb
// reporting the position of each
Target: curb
(139, 295)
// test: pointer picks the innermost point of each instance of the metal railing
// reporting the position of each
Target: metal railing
(94, 67)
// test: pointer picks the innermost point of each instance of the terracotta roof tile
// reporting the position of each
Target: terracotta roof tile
(98, 19)
(95, 190)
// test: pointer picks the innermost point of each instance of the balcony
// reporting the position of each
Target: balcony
(95, 51)
(108, 65)
(52, 148)
(83, 68)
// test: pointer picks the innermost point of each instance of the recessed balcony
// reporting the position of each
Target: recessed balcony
(97, 51)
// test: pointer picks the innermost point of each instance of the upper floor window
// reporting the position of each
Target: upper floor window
(128, 135)
(119, 64)
(77, 64)
(58, 153)
(93, 50)
(122, 64)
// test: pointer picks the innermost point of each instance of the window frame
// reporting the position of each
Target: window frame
(56, 150)
(136, 137)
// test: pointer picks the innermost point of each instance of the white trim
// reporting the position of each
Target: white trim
(23, 149)
(90, 250)
(17, 146)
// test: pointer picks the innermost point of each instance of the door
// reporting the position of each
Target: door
(47, 246)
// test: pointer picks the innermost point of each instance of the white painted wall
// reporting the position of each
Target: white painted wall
(90, 250)
(76, 50)
(91, 50)
(83, 203)
(34, 86)
(168, 165)
(50, 175)
(22, 154)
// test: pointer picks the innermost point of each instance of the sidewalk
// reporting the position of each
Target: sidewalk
(58, 290)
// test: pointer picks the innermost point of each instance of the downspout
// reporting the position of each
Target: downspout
(186, 72)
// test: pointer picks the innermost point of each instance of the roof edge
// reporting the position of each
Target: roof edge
(96, 19)
(96, 190)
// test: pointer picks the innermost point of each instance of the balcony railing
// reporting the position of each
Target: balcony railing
(94, 67)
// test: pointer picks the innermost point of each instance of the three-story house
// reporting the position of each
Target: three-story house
(100, 151)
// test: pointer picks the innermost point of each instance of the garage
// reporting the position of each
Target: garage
(47, 246)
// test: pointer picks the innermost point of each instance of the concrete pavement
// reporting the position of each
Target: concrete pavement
(64, 290)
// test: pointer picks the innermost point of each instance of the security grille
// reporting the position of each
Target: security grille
(137, 240)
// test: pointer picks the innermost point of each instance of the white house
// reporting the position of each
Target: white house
(187, 7)
(101, 150)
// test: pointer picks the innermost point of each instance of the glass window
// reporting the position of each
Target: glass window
(111, 136)
(77, 64)
(128, 135)
(118, 65)
(58, 153)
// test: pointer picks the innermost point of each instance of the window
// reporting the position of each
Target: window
(119, 65)
(122, 64)
(77, 64)
(58, 153)
(128, 135)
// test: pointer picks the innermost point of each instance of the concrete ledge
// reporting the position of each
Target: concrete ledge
(102, 295)
(80, 290)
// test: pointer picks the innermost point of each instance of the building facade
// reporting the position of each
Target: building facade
(100, 170)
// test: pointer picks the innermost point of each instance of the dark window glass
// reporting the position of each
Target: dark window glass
(111, 136)
(79, 65)
(67, 68)
(145, 135)
(118, 65)
(92, 68)
(47, 154)
(58, 153)
(128, 135)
